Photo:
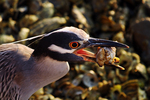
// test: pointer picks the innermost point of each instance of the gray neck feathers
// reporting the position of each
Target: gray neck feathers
(45, 71)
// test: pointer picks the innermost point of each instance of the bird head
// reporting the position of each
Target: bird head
(69, 43)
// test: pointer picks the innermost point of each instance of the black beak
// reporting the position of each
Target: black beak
(94, 42)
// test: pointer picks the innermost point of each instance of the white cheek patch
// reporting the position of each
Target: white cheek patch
(60, 49)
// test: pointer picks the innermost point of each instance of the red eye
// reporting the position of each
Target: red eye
(74, 45)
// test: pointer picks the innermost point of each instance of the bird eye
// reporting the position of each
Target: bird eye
(74, 45)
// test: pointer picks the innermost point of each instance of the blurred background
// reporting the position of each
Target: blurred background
(125, 21)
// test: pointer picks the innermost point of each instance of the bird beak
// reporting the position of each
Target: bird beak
(94, 42)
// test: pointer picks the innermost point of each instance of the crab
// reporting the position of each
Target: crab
(107, 56)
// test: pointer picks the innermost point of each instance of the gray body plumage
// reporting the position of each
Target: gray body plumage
(21, 74)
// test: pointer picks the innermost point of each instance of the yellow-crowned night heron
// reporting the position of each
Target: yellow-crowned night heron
(24, 70)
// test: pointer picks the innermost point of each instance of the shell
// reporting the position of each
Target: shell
(104, 87)
(34, 6)
(23, 34)
(79, 17)
(28, 20)
(130, 88)
(90, 79)
(6, 38)
(77, 80)
(142, 69)
(133, 91)
(47, 10)
(119, 37)
(46, 25)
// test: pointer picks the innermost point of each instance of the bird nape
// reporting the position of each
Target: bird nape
(24, 70)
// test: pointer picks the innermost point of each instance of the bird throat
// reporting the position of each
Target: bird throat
(45, 72)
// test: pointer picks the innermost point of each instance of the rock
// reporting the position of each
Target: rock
(140, 32)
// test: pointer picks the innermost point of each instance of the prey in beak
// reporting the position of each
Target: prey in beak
(105, 53)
